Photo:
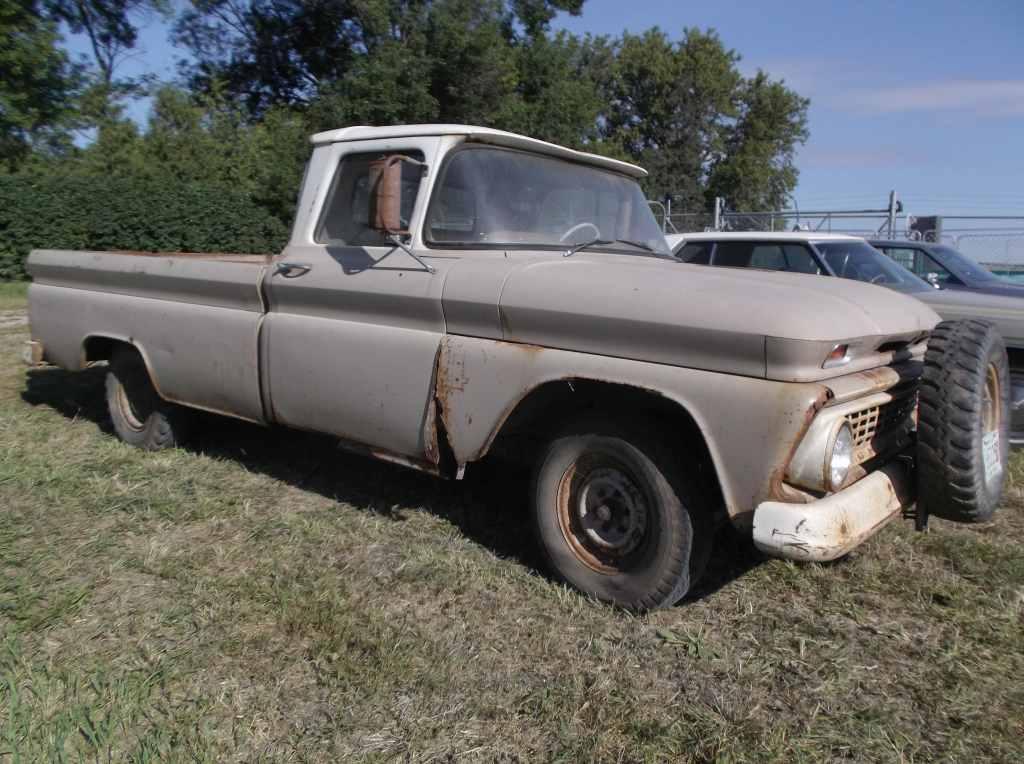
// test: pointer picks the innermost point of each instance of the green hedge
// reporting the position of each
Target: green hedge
(129, 214)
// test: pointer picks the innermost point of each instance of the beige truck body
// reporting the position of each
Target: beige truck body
(428, 358)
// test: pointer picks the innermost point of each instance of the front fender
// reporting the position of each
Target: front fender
(750, 426)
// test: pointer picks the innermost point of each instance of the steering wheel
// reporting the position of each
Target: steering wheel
(579, 226)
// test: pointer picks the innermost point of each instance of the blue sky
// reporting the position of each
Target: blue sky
(923, 97)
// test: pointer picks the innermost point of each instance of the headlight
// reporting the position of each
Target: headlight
(839, 457)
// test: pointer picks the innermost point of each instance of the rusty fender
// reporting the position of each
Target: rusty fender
(750, 425)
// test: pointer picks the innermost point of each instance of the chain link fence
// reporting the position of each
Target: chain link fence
(996, 241)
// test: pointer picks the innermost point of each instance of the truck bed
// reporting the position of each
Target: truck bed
(162, 304)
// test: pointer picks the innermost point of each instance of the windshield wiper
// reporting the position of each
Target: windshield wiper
(637, 244)
(590, 242)
(584, 244)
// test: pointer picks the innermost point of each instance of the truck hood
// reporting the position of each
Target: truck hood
(1007, 313)
(756, 323)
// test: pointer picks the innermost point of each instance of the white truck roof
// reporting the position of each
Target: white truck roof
(479, 135)
(674, 239)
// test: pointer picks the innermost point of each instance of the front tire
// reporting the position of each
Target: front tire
(139, 415)
(963, 422)
(616, 518)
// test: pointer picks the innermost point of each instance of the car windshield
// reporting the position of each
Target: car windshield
(504, 198)
(854, 259)
(963, 265)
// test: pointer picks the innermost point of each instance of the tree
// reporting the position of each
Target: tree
(668, 106)
(556, 96)
(683, 110)
(458, 56)
(757, 169)
(37, 83)
(111, 29)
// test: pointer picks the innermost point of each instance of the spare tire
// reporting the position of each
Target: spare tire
(963, 422)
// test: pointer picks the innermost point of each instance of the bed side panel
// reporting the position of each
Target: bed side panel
(195, 322)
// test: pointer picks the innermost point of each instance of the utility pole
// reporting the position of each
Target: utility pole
(718, 213)
(893, 203)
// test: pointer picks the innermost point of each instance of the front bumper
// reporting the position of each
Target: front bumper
(830, 527)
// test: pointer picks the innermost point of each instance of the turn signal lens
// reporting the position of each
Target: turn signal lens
(837, 357)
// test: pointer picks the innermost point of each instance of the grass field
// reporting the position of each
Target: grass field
(12, 295)
(262, 596)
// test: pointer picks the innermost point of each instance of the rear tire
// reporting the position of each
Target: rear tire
(616, 518)
(139, 415)
(963, 422)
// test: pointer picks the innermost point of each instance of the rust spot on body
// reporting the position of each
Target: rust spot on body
(522, 346)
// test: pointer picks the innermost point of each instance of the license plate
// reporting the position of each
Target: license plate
(990, 455)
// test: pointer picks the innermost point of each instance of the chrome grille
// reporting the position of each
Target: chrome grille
(864, 424)
(879, 421)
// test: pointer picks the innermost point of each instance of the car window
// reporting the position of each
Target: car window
(734, 254)
(766, 256)
(856, 259)
(930, 265)
(905, 256)
(346, 215)
(963, 266)
(799, 259)
(696, 252)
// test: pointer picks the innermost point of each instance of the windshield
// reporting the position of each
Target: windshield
(858, 260)
(498, 197)
(963, 265)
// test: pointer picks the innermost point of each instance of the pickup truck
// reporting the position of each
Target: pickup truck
(451, 292)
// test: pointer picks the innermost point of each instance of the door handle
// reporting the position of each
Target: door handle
(292, 270)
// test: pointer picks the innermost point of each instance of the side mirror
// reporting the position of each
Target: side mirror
(385, 180)
(933, 279)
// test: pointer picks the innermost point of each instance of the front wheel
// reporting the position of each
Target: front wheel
(615, 517)
(963, 422)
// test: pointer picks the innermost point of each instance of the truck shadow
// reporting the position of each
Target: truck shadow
(489, 506)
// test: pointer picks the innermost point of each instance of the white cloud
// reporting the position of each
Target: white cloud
(990, 98)
(846, 85)
(883, 156)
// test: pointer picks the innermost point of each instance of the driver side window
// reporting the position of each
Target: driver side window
(346, 215)
(930, 266)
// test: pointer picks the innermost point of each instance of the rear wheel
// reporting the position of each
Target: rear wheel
(963, 422)
(616, 518)
(139, 415)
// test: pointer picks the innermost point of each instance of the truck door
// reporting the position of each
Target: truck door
(354, 323)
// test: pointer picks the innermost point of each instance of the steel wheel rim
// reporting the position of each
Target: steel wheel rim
(603, 513)
(128, 413)
(991, 410)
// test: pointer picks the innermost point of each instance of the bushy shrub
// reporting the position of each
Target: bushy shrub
(89, 212)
